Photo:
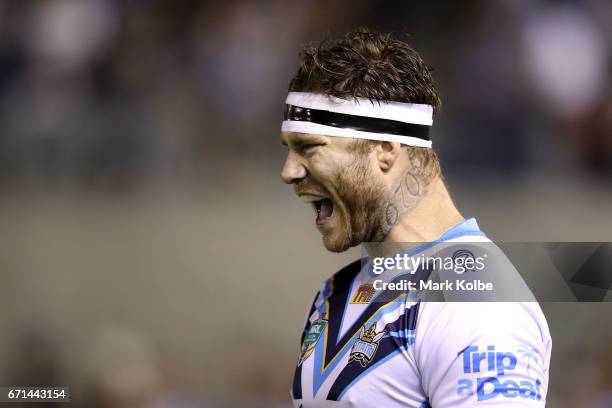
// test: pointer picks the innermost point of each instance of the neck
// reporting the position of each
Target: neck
(433, 215)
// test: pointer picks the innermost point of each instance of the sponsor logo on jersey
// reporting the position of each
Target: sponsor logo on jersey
(491, 365)
(312, 337)
(364, 349)
(364, 294)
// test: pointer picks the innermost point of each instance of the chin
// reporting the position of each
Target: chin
(335, 247)
(337, 242)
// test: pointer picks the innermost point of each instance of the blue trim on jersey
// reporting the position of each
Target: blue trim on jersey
(348, 301)
(467, 227)
(400, 336)
(325, 294)
(370, 368)
(404, 334)
(327, 355)
(296, 389)
(409, 335)
(425, 404)
(320, 374)
(321, 309)
(327, 289)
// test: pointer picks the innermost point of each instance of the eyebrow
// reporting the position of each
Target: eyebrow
(304, 140)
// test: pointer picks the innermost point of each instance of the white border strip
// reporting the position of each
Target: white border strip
(324, 130)
(419, 114)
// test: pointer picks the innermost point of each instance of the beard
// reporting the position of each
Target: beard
(360, 200)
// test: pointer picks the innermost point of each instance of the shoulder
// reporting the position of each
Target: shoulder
(464, 320)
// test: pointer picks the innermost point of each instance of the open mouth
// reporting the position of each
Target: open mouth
(323, 206)
(324, 209)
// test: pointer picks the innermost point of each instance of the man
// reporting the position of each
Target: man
(356, 126)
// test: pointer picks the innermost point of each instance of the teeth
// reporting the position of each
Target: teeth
(308, 198)
(317, 206)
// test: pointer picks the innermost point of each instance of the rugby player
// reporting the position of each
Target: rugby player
(356, 127)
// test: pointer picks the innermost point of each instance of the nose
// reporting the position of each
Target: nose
(293, 170)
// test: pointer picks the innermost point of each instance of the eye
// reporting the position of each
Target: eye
(310, 147)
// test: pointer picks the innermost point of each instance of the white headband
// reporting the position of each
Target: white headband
(320, 114)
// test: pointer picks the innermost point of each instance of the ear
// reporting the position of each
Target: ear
(387, 153)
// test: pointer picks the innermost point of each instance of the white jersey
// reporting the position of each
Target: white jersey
(403, 353)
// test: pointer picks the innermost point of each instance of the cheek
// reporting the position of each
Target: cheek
(344, 176)
(319, 168)
(327, 173)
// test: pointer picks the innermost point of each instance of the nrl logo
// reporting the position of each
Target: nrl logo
(311, 339)
(364, 349)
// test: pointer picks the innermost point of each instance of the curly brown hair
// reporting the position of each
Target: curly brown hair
(370, 65)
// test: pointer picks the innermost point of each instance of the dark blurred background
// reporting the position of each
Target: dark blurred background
(150, 255)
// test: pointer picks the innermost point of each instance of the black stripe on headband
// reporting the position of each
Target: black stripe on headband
(360, 123)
